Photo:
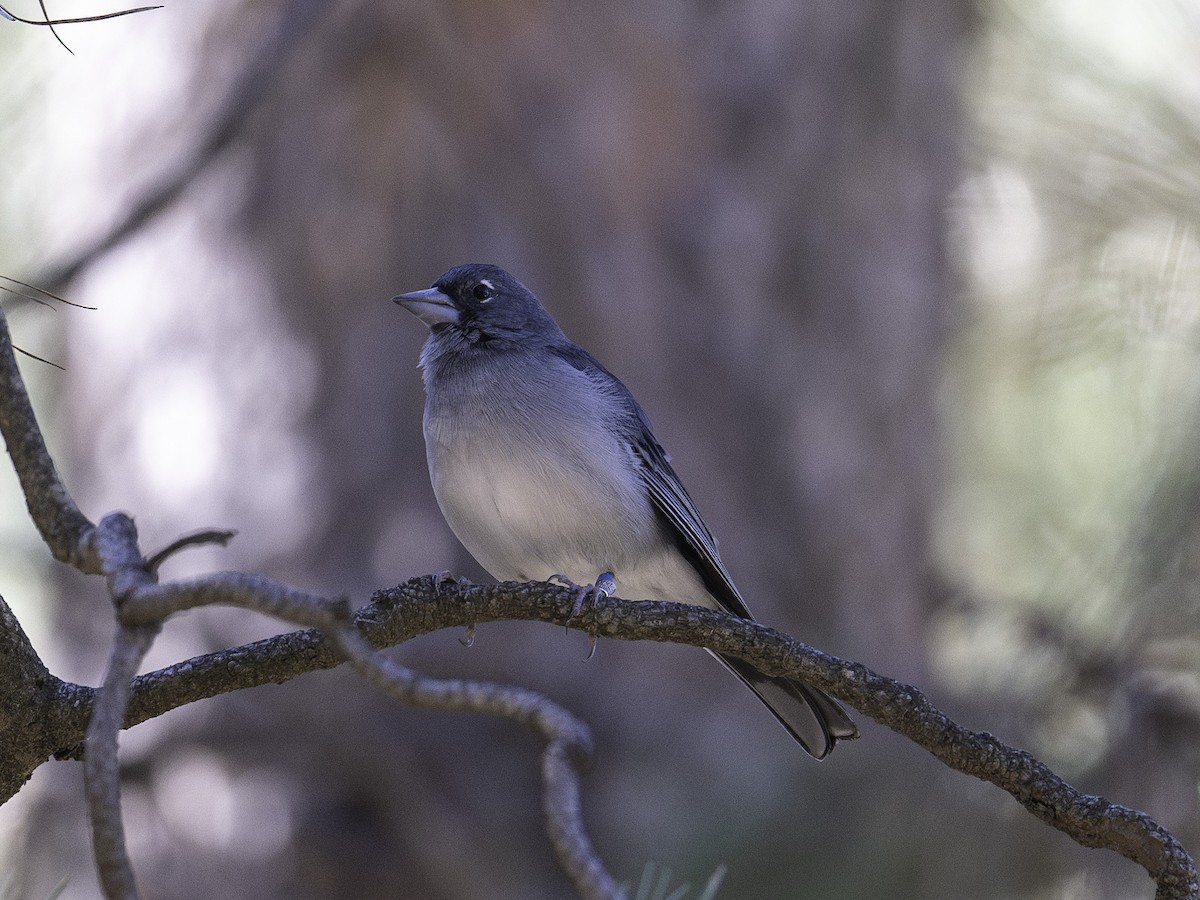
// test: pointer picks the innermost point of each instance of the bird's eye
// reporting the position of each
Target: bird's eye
(483, 292)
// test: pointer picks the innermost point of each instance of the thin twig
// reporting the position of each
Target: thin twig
(72, 21)
(33, 292)
(568, 747)
(50, 23)
(263, 67)
(564, 824)
(41, 301)
(255, 592)
(38, 358)
(46, 21)
(220, 536)
(116, 545)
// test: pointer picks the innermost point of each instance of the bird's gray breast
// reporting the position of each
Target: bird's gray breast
(530, 471)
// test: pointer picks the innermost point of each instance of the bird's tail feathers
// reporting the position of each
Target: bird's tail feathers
(811, 716)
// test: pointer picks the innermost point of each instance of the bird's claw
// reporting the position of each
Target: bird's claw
(443, 578)
(585, 595)
(440, 580)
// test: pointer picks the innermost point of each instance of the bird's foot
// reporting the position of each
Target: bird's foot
(443, 578)
(585, 596)
(468, 638)
(440, 580)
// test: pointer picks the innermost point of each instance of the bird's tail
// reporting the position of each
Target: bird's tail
(810, 715)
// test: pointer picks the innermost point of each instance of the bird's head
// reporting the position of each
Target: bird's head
(481, 303)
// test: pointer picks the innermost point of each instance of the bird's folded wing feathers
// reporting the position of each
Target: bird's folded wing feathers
(663, 486)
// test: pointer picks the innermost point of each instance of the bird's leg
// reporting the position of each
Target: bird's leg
(585, 595)
(442, 578)
(606, 584)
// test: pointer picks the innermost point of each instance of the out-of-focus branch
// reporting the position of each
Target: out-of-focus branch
(116, 545)
(263, 65)
(101, 767)
(62, 526)
(568, 747)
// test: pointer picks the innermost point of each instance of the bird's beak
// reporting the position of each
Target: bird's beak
(431, 306)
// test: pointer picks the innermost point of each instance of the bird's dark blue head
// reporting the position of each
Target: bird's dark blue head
(479, 303)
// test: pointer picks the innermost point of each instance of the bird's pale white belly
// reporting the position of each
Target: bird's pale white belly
(574, 508)
(540, 484)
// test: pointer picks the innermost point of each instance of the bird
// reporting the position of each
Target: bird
(545, 467)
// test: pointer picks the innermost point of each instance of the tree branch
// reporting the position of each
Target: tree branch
(33, 707)
(62, 526)
(428, 604)
(101, 767)
(116, 545)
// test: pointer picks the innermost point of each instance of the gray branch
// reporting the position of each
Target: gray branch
(426, 604)
(62, 526)
(101, 768)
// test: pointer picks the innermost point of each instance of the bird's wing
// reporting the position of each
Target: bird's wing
(812, 717)
(666, 491)
(692, 535)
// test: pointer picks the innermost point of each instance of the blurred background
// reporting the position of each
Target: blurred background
(909, 290)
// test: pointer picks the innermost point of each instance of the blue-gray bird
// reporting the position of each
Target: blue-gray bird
(544, 465)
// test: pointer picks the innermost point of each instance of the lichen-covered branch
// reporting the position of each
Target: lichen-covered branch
(31, 705)
(142, 605)
(426, 604)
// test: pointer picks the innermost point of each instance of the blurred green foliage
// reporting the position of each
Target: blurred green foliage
(1073, 389)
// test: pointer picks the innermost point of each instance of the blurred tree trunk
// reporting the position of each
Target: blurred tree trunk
(739, 209)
